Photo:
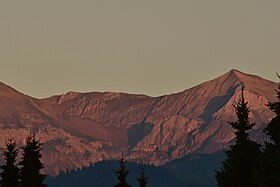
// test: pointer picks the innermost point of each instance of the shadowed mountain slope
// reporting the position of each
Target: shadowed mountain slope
(82, 128)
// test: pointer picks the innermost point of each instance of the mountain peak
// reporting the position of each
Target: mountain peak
(233, 79)
(235, 71)
(252, 83)
(228, 80)
(241, 74)
(237, 74)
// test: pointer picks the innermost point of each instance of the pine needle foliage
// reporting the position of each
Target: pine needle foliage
(242, 163)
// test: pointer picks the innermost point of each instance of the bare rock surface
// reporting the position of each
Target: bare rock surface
(78, 129)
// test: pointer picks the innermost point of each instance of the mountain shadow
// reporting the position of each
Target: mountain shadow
(216, 103)
(137, 132)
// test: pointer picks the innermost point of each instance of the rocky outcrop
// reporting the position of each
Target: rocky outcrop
(78, 129)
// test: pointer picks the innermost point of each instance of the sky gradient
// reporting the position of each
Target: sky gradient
(153, 47)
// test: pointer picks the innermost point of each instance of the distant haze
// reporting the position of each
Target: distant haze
(152, 47)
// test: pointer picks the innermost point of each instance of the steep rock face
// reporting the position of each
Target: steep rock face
(202, 114)
(78, 129)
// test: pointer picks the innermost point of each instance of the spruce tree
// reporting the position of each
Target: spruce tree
(31, 164)
(10, 171)
(271, 157)
(142, 180)
(242, 163)
(122, 173)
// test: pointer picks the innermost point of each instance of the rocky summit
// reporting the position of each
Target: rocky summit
(78, 129)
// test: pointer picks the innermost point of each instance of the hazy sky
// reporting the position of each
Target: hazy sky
(153, 47)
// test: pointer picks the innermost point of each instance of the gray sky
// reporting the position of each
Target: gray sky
(153, 47)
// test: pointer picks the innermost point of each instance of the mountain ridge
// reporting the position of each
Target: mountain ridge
(235, 72)
(97, 126)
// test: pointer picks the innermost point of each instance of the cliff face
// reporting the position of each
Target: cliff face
(78, 129)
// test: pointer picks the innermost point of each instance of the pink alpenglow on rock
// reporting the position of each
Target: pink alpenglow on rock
(82, 128)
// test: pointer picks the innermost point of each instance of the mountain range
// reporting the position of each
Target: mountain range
(78, 129)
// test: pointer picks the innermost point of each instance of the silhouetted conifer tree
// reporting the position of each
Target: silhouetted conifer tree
(143, 180)
(271, 156)
(122, 173)
(31, 164)
(242, 163)
(10, 172)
